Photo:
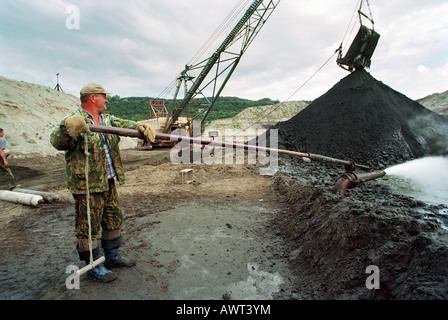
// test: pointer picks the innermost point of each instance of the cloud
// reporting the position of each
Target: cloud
(423, 69)
(412, 47)
(138, 47)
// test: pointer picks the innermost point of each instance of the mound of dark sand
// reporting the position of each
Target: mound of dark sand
(332, 241)
(361, 118)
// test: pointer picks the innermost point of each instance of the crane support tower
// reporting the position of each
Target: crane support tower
(157, 109)
(223, 62)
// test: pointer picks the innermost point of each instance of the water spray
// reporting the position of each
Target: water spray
(431, 173)
(425, 170)
(350, 180)
(425, 179)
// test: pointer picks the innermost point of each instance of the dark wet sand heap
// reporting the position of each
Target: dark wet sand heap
(362, 119)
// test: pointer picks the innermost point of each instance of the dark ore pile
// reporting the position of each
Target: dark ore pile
(362, 119)
(331, 239)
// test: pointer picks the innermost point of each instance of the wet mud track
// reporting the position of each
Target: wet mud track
(188, 243)
(229, 234)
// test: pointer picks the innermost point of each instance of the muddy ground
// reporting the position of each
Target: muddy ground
(229, 234)
(208, 239)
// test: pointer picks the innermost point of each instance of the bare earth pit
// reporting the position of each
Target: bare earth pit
(229, 234)
(208, 239)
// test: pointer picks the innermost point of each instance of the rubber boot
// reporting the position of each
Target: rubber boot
(99, 273)
(113, 257)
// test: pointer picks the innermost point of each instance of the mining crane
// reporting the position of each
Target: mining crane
(215, 71)
(220, 65)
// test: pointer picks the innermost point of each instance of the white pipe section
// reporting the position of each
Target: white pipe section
(23, 198)
(91, 266)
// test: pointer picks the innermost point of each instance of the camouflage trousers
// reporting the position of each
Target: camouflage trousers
(8, 175)
(105, 212)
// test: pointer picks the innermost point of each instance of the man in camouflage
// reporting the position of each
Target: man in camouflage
(104, 167)
(10, 180)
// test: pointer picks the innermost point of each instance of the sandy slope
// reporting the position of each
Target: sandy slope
(30, 112)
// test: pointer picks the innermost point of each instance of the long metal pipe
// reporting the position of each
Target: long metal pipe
(163, 136)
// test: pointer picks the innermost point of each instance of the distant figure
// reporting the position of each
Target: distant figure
(10, 180)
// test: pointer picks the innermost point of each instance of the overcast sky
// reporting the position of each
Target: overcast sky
(138, 47)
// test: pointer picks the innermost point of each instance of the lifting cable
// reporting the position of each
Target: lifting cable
(360, 14)
(359, 5)
(297, 90)
(357, 9)
(224, 26)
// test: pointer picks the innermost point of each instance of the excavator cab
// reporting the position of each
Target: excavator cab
(361, 50)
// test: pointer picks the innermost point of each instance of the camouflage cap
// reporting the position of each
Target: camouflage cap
(92, 88)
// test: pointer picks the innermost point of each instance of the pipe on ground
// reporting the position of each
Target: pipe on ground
(46, 196)
(22, 198)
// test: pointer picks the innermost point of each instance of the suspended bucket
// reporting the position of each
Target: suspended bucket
(360, 53)
(361, 50)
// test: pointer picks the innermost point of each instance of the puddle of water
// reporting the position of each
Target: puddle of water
(260, 285)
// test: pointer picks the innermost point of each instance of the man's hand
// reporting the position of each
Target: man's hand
(75, 125)
(148, 131)
(3, 157)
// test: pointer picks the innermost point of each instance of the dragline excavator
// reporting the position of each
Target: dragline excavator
(214, 71)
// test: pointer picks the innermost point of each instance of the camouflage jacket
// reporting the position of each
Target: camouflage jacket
(76, 159)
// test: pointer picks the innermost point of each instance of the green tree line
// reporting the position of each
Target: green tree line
(137, 108)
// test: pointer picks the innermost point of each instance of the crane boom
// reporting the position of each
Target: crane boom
(223, 60)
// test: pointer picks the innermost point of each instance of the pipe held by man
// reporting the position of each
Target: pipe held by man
(163, 136)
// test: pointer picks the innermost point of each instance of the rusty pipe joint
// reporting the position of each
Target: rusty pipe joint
(350, 180)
